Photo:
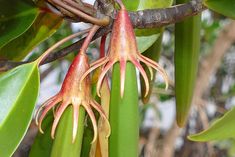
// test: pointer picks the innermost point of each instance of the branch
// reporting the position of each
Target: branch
(150, 18)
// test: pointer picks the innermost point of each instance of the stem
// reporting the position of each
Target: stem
(120, 4)
(102, 46)
(159, 17)
(80, 6)
(89, 38)
(152, 18)
(48, 51)
(101, 22)
(124, 114)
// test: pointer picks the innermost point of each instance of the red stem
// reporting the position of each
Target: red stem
(121, 4)
(89, 38)
(44, 9)
(102, 46)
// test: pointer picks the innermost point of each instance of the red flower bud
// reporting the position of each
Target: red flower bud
(73, 92)
(123, 48)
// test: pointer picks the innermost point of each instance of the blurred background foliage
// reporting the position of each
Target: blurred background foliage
(159, 135)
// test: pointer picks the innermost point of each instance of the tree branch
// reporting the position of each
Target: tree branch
(150, 18)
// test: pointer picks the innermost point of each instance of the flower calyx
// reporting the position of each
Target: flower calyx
(123, 49)
(75, 94)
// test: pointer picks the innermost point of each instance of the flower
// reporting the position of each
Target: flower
(123, 48)
(75, 94)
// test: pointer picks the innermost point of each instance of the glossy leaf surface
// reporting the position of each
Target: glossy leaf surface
(41, 29)
(222, 128)
(18, 93)
(146, 37)
(15, 18)
(225, 7)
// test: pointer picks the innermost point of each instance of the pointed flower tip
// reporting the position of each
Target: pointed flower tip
(166, 86)
(122, 86)
(73, 140)
(40, 130)
(74, 136)
(146, 90)
(36, 121)
(80, 85)
(53, 133)
(94, 139)
(52, 136)
(146, 94)
(121, 93)
(98, 92)
(121, 4)
(181, 120)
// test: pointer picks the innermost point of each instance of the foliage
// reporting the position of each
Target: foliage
(15, 13)
(25, 24)
(187, 49)
(225, 7)
(18, 95)
(222, 128)
(41, 29)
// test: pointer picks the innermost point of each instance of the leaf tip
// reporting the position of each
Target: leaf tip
(181, 119)
(196, 138)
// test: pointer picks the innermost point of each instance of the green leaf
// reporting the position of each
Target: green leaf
(43, 142)
(15, 18)
(149, 42)
(87, 139)
(152, 4)
(187, 50)
(147, 37)
(225, 7)
(131, 5)
(124, 114)
(222, 128)
(41, 29)
(18, 93)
